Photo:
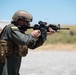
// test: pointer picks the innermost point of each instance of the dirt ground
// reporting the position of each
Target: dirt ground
(58, 47)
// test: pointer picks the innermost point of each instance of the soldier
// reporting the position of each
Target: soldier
(14, 42)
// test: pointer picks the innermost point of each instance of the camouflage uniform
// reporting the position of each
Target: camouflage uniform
(15, 45)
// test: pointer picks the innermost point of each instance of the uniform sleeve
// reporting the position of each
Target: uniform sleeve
(38, 42)
(27, 39)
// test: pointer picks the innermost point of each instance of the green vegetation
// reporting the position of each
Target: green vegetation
(63, 36)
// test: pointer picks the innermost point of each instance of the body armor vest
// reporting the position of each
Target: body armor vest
(8, 48)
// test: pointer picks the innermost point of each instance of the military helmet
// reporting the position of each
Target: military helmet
(22, 14)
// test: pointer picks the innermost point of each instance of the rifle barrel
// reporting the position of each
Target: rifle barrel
(65, 28)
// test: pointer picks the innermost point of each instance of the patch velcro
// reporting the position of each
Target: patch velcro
(14, 28)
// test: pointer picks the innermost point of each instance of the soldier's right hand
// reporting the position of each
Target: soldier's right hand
(36, 33)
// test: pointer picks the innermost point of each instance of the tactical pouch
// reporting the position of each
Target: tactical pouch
(3, 50)
(21, 50)
(9, 50)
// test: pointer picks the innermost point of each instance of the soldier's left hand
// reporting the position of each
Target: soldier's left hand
(51, 31)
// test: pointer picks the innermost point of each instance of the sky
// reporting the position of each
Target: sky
(50, 11)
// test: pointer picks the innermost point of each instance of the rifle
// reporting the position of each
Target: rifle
(43, 27)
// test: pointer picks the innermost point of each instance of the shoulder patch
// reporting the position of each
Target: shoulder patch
(14, 28)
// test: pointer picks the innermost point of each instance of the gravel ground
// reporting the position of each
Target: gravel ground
(49, 63)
